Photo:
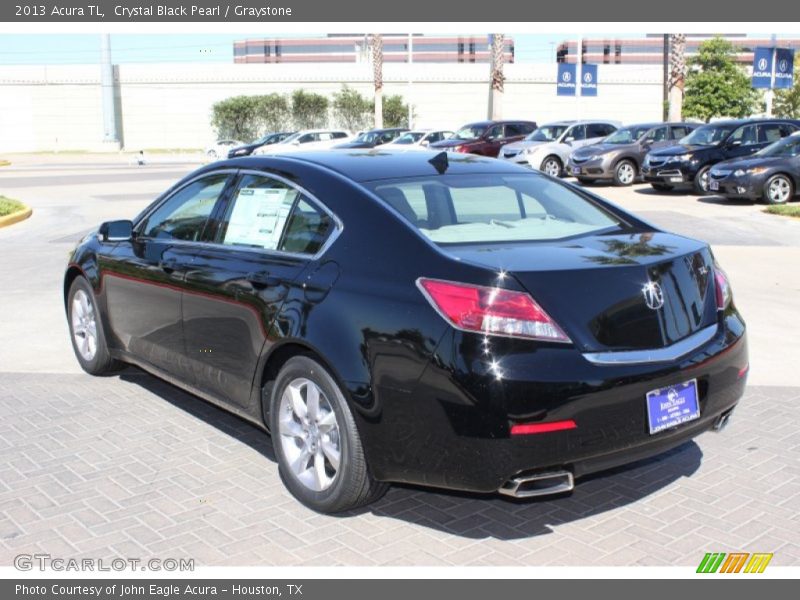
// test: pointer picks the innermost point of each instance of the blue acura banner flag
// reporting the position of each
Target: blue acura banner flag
(589, 80)
(762, 68)
(565, 85)
(784, 67)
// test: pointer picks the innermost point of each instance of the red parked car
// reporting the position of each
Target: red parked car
(485, 137)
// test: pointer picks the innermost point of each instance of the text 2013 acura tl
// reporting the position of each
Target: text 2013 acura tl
(445, 320)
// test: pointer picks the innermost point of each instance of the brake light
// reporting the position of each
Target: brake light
(459, 149)
(493, 311)
(723, 288)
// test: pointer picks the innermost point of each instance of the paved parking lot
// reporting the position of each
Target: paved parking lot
(129, 466)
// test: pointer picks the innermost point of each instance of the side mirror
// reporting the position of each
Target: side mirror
(734, 143)
(424, 143)
(116, 231)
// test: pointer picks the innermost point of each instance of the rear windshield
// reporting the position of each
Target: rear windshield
(461, 209)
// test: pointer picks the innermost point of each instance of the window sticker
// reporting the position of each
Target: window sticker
(258, 217)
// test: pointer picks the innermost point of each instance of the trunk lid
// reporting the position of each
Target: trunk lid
(594, 286)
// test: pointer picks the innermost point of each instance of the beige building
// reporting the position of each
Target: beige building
(169, 105)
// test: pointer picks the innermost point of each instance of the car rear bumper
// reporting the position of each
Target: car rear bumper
(453, 429)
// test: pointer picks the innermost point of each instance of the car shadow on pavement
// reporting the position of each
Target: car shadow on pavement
(649, 191)
(723, 201)
(468, 515)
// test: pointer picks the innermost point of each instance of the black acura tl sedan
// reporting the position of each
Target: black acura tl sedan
(446, 320)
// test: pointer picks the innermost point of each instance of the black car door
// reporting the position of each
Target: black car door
(269, 232)
(142, 278)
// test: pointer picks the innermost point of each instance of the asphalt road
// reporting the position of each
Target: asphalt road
(129, 466)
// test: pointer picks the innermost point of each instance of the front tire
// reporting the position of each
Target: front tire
(778, 189)
(624, 173)
(552, 166)
(319, 452)
(701, 181)
(86, 330)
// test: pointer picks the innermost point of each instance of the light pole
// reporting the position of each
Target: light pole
(110, 135)
(770, 95)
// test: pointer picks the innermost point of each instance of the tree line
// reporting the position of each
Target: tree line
(249, 117)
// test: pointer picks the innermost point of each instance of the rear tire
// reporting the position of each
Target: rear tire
(625, 173)
(552, 166)
(319, 452)
(661, 187)
(701, 181)
(86, 330)
(778, 189)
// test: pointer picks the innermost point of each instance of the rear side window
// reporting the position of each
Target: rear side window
(769, 132)
(307, 230)
(452, 209)
(595, 130)
(185, 214)
(257, 213)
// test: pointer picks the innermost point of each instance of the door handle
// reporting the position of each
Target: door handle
(262, 279)
(168, 265)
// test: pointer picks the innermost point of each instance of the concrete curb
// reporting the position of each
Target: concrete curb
(16, 217)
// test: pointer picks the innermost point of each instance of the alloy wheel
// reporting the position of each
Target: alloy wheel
(551, 167)
(309, 434)
(779, 190)
(626, 173)
(84, 325)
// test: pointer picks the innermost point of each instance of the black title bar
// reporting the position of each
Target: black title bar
(340, 11)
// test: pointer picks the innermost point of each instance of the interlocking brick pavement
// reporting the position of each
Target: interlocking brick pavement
(130, 466)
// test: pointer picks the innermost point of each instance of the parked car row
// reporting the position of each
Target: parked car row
(679, 155)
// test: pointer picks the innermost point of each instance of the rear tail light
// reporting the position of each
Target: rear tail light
(491, 310)
(723, 288)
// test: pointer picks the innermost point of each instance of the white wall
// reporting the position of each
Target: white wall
(169, 105)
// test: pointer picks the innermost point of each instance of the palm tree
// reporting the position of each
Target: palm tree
(376, 42)
(496, 77)
(677, 75)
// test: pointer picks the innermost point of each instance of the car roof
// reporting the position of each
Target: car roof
(500, 122)
(369, 165)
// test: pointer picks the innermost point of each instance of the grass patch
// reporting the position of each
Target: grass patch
(787, 210)
(8, 206)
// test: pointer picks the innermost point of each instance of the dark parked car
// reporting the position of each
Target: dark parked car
(452, 321)
(485, 137)
(619, 157)
(772, 174)
(374, 137)
(689, 162)
(267, 140)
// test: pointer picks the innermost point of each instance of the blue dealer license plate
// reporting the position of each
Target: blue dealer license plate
(670, 406)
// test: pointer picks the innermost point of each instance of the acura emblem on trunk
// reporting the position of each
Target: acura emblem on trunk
(653, 295)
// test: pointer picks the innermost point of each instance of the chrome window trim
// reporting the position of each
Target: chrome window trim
(656, 355)
(337, 222)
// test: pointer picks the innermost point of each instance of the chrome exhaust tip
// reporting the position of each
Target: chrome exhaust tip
(722, 421)
(538, 484)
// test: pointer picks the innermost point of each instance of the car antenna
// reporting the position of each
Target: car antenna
(440, 162)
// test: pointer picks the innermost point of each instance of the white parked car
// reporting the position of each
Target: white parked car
(220, 148)
(548, 147)
(308, 139)
(418, 139)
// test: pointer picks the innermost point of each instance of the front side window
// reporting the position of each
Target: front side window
(492, 208)
(626, 135)
(576, 133)
(495, 133)
(185, 214)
